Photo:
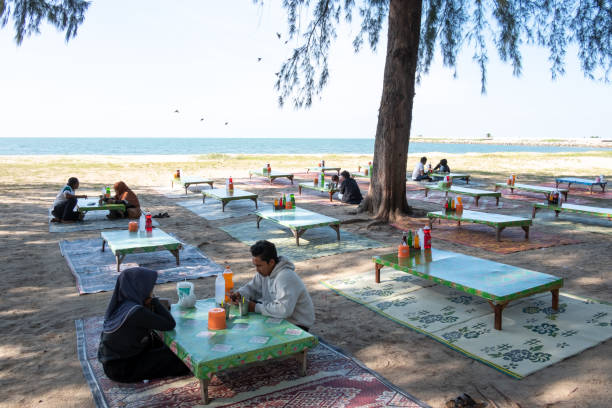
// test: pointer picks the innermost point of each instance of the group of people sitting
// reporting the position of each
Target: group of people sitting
(130, 349)
(65, 204)
(419, 173)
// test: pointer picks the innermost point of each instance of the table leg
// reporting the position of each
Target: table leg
(303, 361)
(175, 252)
(467, 180)
(497, 201)
(476, 200)
(186, 187)
(203, 198)
(557, 213)
(336, 228)
(223, 203)
(526, 229)
(331, 194)
(498, 308)
(377, 268)
(103, 244)
(591, 189)
(426, 191)
(254, 199)
(557, 184)
(299, 189)
(211, 185)
(204, 390)
(498, 231)
(603, 187)
(496, 188)
(565, 194)
(297, 234)
(119, 258)
(533, 212)
(555, 299)
(511, 190)
(258, 220)
(430, 223)
(290, 178)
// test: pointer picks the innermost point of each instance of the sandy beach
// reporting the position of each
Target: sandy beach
(39, 304)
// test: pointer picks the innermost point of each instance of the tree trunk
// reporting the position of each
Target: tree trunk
(386, 199)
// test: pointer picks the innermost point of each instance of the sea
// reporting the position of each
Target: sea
(179, 146)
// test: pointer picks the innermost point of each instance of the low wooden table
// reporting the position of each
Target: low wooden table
(323, 169)
(225, 197)
(577, 180)
(472, 192)
(528, 187)
(272, 175)
(123, 242)
(247, 339)
(574, 208)
(311, 186)
(498, 283)
(460, 176)
(497, 221)
(187, 181)
(89, 204)
(361, 174)
(299, 220)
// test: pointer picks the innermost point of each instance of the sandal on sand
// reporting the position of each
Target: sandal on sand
(464, 401)
(55, 220)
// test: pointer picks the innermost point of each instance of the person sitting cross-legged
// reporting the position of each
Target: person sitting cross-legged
(276, 290)
(418, 173)
(66, 200)
(348, 191)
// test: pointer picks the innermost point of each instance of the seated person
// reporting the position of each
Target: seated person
(66, 200)
(276, 290)
(418, 173)
(130, 350)
(348, 191)
(335, 181)
(124, 195)
(442, 167)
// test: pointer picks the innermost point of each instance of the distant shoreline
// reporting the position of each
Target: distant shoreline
(595, 142)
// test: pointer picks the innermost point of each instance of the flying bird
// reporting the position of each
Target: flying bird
(226, 123)
(258, 59)
(278, 35)
(176, 111)
(201, 119)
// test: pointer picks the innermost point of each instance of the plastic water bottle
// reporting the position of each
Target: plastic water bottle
(142, 222)
(219, 288)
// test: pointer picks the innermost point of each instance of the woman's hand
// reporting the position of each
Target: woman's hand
(147, 303)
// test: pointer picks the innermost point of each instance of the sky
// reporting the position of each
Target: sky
(133, 63)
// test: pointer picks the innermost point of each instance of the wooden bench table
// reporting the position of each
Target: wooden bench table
(535, 189)
(573, 208)
(187, 181)
(323, 169)
(472, 192)
(225, 196)
(498, 283)
(583, 181)
(89, 204)
(311, 186)
(460, 176)
(272, 175)
(299, 220)
(497, 221)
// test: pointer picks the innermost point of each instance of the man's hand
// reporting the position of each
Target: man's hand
(235, 297)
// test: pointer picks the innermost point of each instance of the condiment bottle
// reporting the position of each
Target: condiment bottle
(427, 238)
(229, 282)
(148, 222)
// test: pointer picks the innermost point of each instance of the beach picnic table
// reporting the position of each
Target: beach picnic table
(187, 181)
(272, 175)
(312, 186)
(497, 221)
(247, 339)
(498, 283)
(323, 169)
(225, 196)
(89, 204)
(123, 242)
(573, 208)
(299, 220)
(361, 174)
(583, 181)
(529, 187)
(460, 176)
(472, 192)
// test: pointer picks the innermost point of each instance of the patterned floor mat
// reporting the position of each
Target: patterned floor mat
(96, 271)
(484, 203)
(533, 336)
(333, 379)
(315, 243)
(213, 210)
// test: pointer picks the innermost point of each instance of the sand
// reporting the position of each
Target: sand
(38, 361)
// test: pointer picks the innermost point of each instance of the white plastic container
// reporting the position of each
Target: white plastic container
(219, 289)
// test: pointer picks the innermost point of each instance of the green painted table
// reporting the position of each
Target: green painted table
(528, 187)
(311, 186)
(577, 180)
(89, 204)
(360, 174)
(460, 176)
(323, 169)
(225, 197)
(247, 339)
(299, 220)
(496, 282)
(123, 242)
(472, 192)
(187, 181)
(272, 175)
(497, 221)
(574, 208)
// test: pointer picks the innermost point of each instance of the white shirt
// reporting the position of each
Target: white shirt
(418, 170)
(62, 196)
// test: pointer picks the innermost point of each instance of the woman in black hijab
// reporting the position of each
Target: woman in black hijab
(130, 351)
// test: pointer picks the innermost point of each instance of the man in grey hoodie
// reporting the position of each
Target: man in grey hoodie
(276, 290)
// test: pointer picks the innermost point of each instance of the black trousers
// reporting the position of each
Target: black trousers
(153, 363)
(66, 211)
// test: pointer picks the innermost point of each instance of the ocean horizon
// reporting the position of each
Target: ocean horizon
(195, 146)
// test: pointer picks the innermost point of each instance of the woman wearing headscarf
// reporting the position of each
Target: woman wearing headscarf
(130, 350)
(124, 195)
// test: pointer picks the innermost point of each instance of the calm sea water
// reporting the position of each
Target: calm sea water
(138, 146)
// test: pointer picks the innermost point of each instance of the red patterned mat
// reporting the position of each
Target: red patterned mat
(333, 379)
(483, 236)
(438, 197)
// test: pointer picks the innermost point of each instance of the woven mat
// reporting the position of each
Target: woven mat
(315, 242)
(94, 220)
(179, 191)
(96, 271)
(533, 336)
(483, 236)
(213, 209)
(438, 197)
(333, 379)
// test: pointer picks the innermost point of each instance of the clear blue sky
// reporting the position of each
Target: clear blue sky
(134, 62)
